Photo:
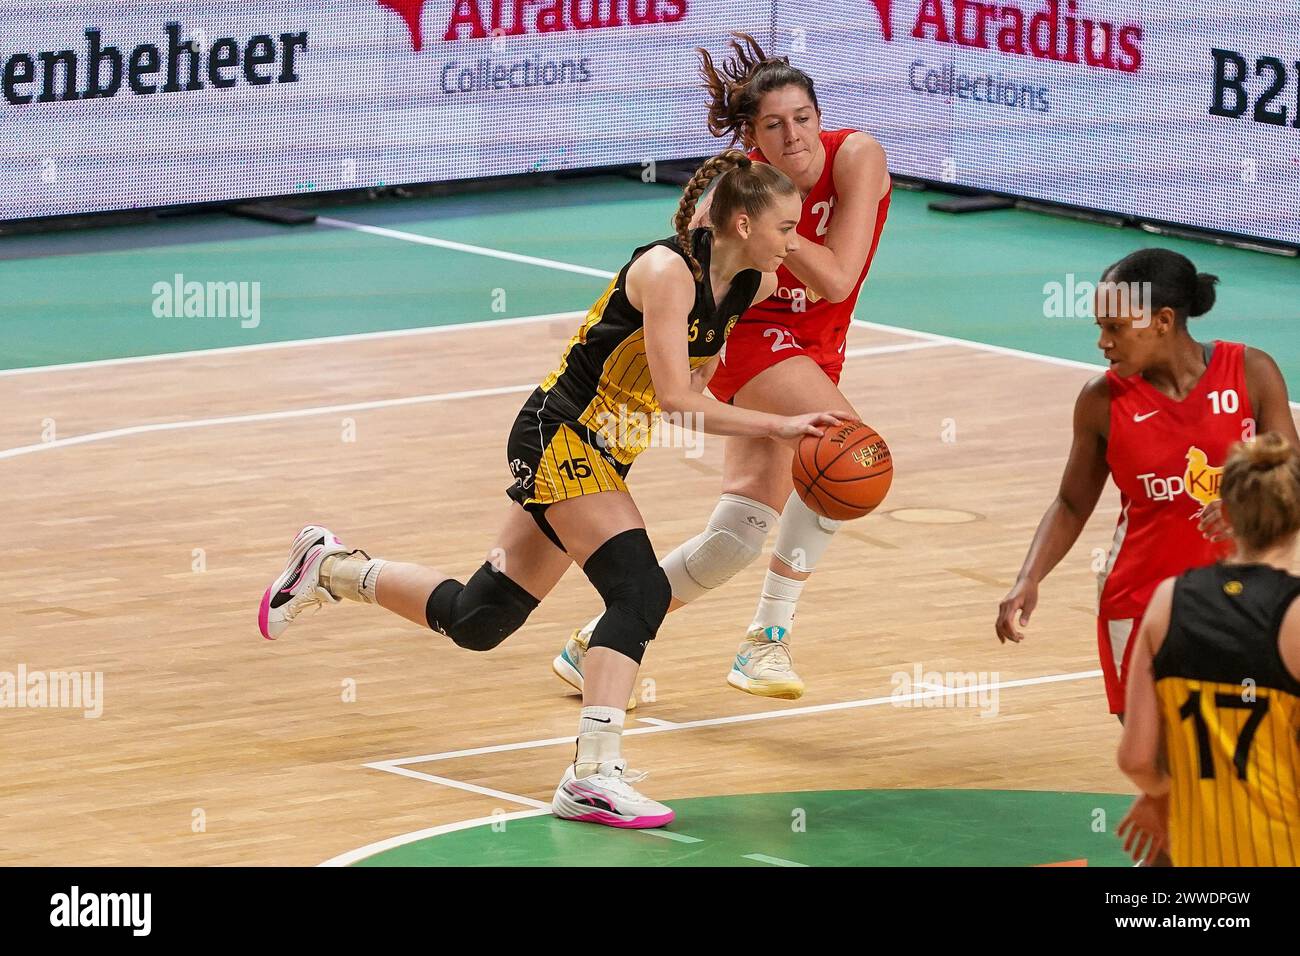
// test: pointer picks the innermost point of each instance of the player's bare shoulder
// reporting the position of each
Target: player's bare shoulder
(663, 270)
(1092, 408)
(861, 158)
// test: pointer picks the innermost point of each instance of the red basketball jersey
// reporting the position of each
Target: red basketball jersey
(820, 326)
(1167, 459)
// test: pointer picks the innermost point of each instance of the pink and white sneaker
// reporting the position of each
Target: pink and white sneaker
(607, 797)
(298, 587)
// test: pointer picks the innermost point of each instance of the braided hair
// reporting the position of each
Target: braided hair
(739, 185)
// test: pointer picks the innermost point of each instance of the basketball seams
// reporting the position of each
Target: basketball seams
(814, 482)
(840, 454)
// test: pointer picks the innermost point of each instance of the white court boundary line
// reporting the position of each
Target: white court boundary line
(400, 766)
(290, 344)
(742, 718)
(528, 260)
(130, 430)
(465, 247)
(354, 856)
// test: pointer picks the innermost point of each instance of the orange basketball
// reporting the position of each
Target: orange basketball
(844, 474)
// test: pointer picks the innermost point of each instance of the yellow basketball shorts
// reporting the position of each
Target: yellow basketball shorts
(555, 458)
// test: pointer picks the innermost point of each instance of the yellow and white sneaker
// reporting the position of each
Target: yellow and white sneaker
(764, 666)
(568, 663)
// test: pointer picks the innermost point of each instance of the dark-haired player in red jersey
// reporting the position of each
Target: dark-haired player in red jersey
(1160, 421)
(784, 354)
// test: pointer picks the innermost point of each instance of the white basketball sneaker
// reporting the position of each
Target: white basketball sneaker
(764, 666)
(607, 797)
(298, 587)
(568, 663)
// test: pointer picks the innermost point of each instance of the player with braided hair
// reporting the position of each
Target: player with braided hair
(784, 357)
(645, 346)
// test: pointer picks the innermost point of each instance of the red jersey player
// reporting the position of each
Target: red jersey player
(1160, 421)
(798, 320)
(785, 355)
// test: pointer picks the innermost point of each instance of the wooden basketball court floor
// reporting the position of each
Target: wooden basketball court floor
(141, 535)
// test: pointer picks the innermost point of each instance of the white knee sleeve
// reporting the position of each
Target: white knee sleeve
(804, 535)
(734, 538)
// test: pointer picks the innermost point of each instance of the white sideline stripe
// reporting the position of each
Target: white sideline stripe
(130, 430)
(670, 835)
(261, 417)
(398, 765)
(773, 860)
(985, 347)
(886, 349)
(461, 785)
(742, 718)
(656, 722)
(291, 343)
(370, 849)
(981, 346)
(530, 260)
(465, 247)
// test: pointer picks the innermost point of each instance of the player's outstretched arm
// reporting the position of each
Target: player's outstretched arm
(663, 285)
(861, 178)
(1085, 476)
(1145, 828)
(1140, 747)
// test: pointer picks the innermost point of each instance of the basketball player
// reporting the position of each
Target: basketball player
(643, 347)
(1214, 687)
(1160, 421)
(784, 357)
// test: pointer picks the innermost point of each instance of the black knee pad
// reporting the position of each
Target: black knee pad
(481, 614)
(636, 591)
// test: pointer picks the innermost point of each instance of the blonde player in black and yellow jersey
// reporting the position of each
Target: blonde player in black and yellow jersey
(648, 344)
(1212, 717)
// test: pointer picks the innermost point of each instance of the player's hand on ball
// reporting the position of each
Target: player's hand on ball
(1022, 598)
(795, 427)
(1214, 523)
(1145, 828)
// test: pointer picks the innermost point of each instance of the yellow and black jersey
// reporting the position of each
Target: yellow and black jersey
(580, 430)
(1231, 715)
(603, 380)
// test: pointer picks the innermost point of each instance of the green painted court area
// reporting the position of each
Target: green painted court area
(88, 295)
(819, 828)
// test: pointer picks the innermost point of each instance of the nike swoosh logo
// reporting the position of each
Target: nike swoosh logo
(742, 661)
(1142, 418)
(600, 720)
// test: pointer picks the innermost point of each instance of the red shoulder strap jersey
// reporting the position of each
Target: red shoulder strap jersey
(820, 325)
(1167, 459)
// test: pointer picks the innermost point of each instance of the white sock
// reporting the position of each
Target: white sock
(601, 720)
(600, 739)
(351, 576)
(776, 606)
